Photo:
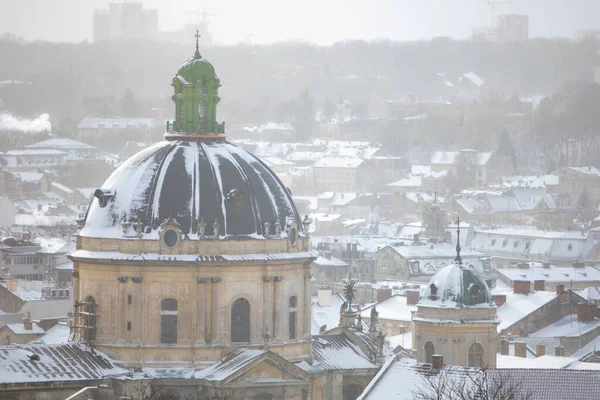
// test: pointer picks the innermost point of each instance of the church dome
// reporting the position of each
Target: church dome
(456, 285)
(208, 188)
(197, 69)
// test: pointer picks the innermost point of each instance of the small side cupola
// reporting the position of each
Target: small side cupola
(196, 95)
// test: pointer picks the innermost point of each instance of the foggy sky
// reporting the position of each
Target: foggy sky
(317, 21)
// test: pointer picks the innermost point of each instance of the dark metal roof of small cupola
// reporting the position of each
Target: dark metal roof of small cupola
(201, 184)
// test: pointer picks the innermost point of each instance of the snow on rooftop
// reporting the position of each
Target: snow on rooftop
(545, 362)
(332, 162)
(62, 187)
(395, 308)
(586, 170)
(553, 274)
(518, 306)
(330, 262)
(404, 340)
(569, 326)
(61, 143)
(19, 329)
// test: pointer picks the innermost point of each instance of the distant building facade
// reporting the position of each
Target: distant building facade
(125, 21)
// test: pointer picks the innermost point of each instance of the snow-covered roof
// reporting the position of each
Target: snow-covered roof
(454, 157)
(404, 378)
(230, 364)
(591, 293)
(586, 170)
(30, 176)
(304, 156)
(456, 285)
(337, 352)
(532, 181)
(410, 181)
(276, 161)
(35, 152)
(473, 77)
(552, 274)
(62, 187)
(330, 262)
(325, 316)
(420, 169)
(518, 306)
(333, 162)
(568, 326)
(395, 308)
(19, 329)
(63, 362)
(438, 250)
(269, 126)
(61, 143)
(544, 362)
(118, 123)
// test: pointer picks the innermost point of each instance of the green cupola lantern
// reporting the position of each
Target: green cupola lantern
(196, 94)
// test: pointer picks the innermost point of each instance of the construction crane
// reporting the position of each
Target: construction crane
(492, 4)
(204, 14)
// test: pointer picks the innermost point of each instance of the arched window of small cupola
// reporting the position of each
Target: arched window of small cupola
(240, 321)
(429, 350)
(168, 321)
(476, 355)
(202, 115)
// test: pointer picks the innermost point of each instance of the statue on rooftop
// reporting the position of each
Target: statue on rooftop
(374, 320)
(349, 293)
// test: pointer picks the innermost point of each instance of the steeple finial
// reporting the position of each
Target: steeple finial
(197, 54)
(458, 258)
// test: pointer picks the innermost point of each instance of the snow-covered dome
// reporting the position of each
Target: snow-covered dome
(199, 185)
(456, 284)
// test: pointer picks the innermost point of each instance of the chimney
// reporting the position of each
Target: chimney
(547, 265)
(354, 250)
(559, 351)
(521, 287)
(539, 285)
(504, 347)
(586, 312)
(413, 297)
(416, 238)
(12, 285)
(39, 207)
(383, 294)
(577, 264)
(540, 349)
(437, 361)
(348, 250)
(560, 289)
(520, 349)
(499, 299)
(27, 324)
(523, 265)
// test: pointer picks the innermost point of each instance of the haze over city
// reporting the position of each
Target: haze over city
(320, 22)
(299, 200)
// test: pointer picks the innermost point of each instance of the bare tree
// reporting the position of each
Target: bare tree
(468, 384)
(149, 391)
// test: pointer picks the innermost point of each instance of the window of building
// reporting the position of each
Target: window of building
(493, 242)
(429, 349)
(181, 114)
(527, 245)
(504, 242)
(515, 244)
(292, 318)
(240, 321)
(128, 325)
(382, 265)
(202, 115)
(168, 321)
(570, 247)
(90, 319)
(128, 299)
(476, 355)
